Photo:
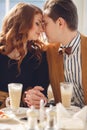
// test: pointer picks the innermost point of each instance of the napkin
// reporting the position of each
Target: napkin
(72, 124)
(61, 111)
(67, 121)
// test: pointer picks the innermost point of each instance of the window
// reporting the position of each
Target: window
(82, 15)
(81, 6)
(5, 5)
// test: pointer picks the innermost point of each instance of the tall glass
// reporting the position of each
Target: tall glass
(66, 89)
(15, 90)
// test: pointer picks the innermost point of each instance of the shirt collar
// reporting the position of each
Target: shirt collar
(75, 42)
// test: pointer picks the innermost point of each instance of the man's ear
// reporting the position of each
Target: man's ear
(61, 22)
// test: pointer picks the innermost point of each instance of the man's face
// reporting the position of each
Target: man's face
(51, 29)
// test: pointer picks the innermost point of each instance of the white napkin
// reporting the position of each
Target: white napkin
(82, 114)
(72, 124)
(69, 122)
(61, 111)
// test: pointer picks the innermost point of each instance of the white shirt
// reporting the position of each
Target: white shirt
(73, 71)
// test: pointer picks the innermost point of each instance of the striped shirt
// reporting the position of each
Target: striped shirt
(73, 71)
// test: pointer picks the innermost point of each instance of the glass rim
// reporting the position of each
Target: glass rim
(15, 84)
(66, 83)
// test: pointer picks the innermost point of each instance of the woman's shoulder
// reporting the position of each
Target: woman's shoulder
(3, 58)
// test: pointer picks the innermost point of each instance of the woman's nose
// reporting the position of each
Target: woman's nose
(41, 29)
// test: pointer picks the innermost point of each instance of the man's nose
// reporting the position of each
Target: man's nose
(43, 26)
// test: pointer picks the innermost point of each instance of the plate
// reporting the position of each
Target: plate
(5, 119)
(4, 116)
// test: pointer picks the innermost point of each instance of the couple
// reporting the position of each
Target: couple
(23, 58)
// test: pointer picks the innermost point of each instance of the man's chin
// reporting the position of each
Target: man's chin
(35, 39)
(52, 41)
(49, 40)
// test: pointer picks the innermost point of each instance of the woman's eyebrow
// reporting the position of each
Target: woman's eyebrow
(40, 20)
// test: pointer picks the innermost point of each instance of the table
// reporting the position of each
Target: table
(12, 125)
(17, 124)
(14, 122)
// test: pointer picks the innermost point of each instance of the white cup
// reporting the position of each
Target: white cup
(15, 90)
(66, 89)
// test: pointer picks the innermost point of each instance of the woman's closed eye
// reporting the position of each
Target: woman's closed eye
(38, 23)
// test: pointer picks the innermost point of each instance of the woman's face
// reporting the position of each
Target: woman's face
(36, 29)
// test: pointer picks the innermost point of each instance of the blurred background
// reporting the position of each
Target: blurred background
(6, 5)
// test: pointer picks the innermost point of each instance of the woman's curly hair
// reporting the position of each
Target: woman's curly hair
(15, 29)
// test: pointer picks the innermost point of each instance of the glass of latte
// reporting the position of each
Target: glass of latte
(66, 89)
(15, 91)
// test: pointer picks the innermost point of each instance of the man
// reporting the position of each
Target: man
(67, 55)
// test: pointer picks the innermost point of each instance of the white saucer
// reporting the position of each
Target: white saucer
(20, 112)
(73, 109)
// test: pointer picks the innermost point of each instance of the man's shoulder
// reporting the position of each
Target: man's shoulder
(53, 46)
(83, 38)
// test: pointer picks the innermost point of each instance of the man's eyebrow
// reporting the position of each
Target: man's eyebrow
(43, 21)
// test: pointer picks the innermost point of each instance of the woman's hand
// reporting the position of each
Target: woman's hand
(33, 97)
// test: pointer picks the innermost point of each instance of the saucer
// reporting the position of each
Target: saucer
(20, 112)
(73, 109)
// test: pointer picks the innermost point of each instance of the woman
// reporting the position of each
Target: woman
(22, 56)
